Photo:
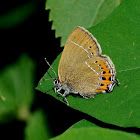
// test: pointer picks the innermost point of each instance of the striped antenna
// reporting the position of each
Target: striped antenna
(51, 67)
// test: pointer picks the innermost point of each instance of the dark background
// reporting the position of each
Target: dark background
(35, 38)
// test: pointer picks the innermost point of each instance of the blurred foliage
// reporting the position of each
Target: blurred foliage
(36, 127)
(18, 15)
(17, 94)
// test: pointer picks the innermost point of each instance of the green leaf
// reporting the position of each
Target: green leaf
(66, 15)
(16, 88)
(97, 133)
(36, 128)
(89, 130)
(83, 123)
(119, 37)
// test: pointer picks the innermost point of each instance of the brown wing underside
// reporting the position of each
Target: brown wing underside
(80, 46)
(82, 67)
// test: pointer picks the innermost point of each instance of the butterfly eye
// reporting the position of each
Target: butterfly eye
(55, 82)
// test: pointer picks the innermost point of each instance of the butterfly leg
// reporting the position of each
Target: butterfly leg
(57, 90)
(64, 97)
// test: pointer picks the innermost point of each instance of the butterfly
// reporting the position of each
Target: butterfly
(82, 68)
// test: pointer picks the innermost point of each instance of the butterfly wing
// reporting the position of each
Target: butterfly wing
(92, 76)
(80, 46)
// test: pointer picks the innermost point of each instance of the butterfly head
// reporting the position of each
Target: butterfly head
(56, 82)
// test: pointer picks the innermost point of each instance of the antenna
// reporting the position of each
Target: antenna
(51, 67)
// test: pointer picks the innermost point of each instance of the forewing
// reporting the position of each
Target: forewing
(80, 46)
